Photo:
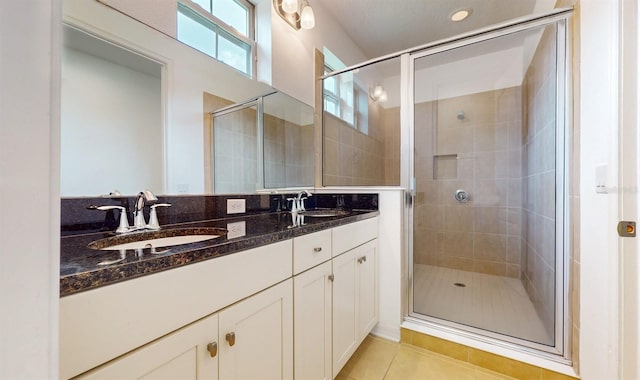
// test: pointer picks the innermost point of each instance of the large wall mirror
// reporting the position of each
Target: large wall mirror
(137, 110)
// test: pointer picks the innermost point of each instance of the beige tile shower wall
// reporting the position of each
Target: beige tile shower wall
(352, 158)
(538, 249)
(288, 153)
(472, 143)
(210, 103)
(235, 163)
(391, 122)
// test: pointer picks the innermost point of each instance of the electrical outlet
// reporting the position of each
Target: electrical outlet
(236, 206)
(236, 229)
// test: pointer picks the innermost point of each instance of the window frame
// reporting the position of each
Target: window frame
(338, 99)
(202, 16)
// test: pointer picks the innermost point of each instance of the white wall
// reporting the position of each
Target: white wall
(292, 51)
(391, 205)
(598, 77)
(108, 107)
(30, 47)
(161, 14)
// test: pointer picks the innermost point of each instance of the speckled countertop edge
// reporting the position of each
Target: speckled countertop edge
(79, 271)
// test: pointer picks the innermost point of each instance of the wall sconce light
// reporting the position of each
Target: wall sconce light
(297, 13)
(378, 94)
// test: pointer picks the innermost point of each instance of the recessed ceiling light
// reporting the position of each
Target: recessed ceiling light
(460, 14)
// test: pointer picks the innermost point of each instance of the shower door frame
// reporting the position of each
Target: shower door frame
(560, 352)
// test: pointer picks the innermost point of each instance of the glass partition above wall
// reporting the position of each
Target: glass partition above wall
(361, 126)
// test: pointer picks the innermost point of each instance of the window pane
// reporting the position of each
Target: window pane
(234, 53)
(205, 4)
(331, 106)
(196, 35)
(330, 85)
(232, 13)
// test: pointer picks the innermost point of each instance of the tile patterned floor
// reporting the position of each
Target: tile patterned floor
(494, 303)
(378, 359)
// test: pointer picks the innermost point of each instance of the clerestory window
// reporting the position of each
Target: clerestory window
(223, 29)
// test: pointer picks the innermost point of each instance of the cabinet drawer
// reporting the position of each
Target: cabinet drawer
(311, 250)
(352, 235)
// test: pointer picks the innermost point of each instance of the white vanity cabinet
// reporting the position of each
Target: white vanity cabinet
(336, 302)
(100, 325)
(297, 308)
(248, 340)
(355, 300)
(256, 336)
(190, 353)
(312, 321)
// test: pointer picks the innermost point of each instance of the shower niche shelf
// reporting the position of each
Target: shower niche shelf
(445, 166)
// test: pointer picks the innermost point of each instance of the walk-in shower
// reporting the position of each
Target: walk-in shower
(479, 125)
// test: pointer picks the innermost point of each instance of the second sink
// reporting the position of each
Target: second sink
(324, 213)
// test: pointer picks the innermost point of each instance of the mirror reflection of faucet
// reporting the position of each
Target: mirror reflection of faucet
(297, 219)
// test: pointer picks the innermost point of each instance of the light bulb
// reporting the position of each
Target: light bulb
(383, 97)
(460, 15)
(307, 19)
(377, 92)
(290, 6)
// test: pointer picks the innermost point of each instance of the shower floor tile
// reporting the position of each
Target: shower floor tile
(493, 303)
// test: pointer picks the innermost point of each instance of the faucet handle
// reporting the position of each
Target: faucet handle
(124, 223)
(294, 204)
(153, 216)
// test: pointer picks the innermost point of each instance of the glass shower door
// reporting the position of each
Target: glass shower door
(486, 251)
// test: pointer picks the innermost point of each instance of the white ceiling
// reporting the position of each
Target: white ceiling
(381, 27)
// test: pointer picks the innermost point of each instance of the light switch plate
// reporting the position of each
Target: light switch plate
(236, 206)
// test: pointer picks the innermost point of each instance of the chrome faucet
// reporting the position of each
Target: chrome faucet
(297, 202)
(144, 198)
(301, 199)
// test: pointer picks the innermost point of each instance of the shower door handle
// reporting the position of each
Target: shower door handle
(411, 193)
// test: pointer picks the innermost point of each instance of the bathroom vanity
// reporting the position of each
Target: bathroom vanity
(237, 306)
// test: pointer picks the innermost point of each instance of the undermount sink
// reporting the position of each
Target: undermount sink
(157, 239)
(324, 213)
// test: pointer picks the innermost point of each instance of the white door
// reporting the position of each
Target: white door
(345, 296)
(256, 336)
(312, 323)
(629, 182)
(366, 258)
(189, 353)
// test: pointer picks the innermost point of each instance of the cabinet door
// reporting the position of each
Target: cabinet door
(367, 259)
(312, 324)
(345, 308)
(189, 353)
(256, 336)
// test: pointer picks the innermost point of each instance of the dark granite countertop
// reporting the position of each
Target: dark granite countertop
(80, 269)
